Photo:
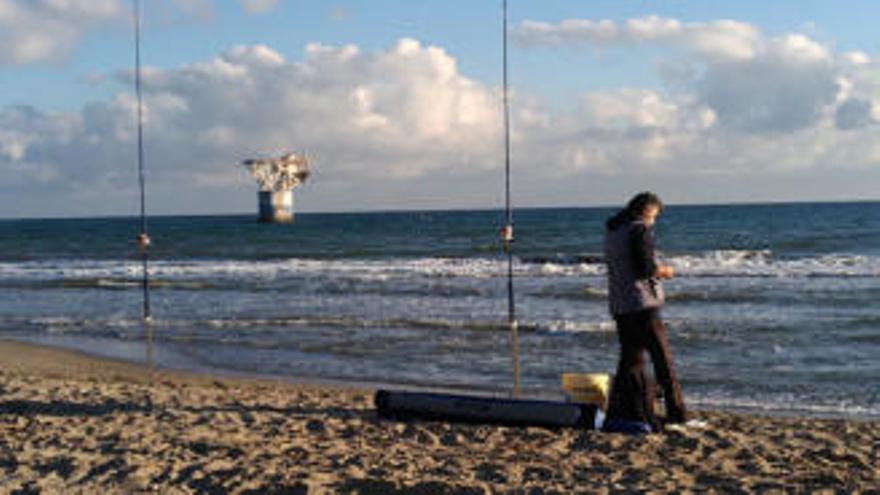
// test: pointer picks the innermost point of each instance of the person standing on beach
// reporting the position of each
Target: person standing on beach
(635, 296)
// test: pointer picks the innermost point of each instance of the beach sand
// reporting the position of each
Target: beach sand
(71, 423)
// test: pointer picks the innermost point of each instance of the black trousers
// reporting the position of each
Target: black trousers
(633, 393)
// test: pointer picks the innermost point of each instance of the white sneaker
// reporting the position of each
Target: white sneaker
(691, 424)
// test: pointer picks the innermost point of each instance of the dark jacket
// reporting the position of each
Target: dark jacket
(632, 261)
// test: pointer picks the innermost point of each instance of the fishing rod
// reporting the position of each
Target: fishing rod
(143, 238)
(507, 231)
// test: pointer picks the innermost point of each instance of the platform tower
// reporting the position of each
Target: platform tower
(277, 178)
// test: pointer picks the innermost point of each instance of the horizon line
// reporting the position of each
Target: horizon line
(449, 210)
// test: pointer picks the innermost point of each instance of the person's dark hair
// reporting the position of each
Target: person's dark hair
(634, 209)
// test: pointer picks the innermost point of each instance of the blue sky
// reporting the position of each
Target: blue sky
(643, 109)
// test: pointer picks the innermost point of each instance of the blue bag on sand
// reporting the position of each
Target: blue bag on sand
(617, 425)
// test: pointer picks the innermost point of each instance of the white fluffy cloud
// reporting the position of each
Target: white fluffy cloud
(398, 111)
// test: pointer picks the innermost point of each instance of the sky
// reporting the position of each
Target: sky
(398, 103)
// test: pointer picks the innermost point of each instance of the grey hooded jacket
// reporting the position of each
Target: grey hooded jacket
(632, 262)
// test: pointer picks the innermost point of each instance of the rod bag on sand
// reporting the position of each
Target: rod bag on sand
(483, 410)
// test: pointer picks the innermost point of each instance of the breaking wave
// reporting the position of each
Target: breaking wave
(763, 263)
(788, 404)
(119, 327)
(124, 274)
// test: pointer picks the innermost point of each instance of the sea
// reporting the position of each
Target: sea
(774, 308)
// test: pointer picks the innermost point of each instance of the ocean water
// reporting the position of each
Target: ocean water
(774, 308)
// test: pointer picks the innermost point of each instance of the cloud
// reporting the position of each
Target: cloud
(34, 31)
(259, 6)
(853, 114)
(399, 106)
(751, 82)
(49, 31)
(786, 87)
(724, 39)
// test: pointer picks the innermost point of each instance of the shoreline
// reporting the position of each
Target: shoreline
(234, 375)
(372, 385)
(70, 422)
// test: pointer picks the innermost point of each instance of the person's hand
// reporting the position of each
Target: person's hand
(665, 271)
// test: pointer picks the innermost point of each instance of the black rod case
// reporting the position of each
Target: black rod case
(398, 405)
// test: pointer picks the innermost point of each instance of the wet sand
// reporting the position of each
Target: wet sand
(71, 423)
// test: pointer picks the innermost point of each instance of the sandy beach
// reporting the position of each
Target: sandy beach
(73, 423)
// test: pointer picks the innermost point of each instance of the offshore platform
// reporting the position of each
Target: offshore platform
(277, 178)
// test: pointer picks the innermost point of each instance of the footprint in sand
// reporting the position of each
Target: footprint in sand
(492, 473)
(316, 426)
(537, 474)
